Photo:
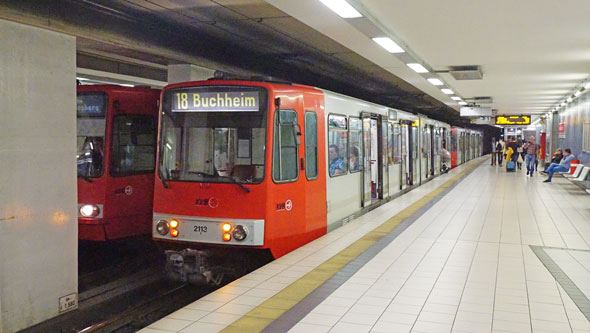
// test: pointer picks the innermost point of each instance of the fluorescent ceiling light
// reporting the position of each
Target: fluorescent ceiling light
(462, 103)
(447, 91)
(418, 68)
(578, 93)
(81, 79)
(342, 8)
(587, 85)
(435, 81)
(569, 99)
(127, 85)
(455, 98)
(388, 44)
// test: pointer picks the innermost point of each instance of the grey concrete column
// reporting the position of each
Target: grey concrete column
(187, 72)
(38, 214)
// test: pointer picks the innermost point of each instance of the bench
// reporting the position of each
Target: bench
(579, 177)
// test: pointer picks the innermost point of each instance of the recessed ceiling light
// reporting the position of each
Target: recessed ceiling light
(418, 68)
(435, 81)
(462, 103)
(447, 91)
(342, 8)
(388, 44)
(455, 98)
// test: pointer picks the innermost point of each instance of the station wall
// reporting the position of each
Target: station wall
(38, 217)
(573, 116)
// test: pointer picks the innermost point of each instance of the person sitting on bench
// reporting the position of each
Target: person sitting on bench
(563, 166)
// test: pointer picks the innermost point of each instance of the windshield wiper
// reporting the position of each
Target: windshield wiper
(233, 181)
(85, 178)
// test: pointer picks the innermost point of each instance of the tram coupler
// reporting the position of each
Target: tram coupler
(190, 266)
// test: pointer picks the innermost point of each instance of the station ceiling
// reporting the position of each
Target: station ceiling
(532, 53)
(282, 38)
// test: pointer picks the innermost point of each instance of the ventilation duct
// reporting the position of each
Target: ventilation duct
(466, 72)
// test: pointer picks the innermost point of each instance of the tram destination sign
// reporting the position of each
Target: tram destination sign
(513, 120)
(197, 100)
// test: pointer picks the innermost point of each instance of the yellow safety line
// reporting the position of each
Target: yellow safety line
(261, 316)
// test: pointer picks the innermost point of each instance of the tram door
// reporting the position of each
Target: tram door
(396, 165)
(414, 151)
(436, 149)
(464, 146)
(425, 152)
(384, 161)
(405, 157)
(372, 171)
(431, 136)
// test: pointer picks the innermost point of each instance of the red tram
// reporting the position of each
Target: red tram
(116, 142)
(246, 165)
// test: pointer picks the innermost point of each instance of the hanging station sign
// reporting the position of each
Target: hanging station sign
(513, 120)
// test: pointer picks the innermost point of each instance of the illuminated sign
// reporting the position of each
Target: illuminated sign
(513, 120)
(91, 105)
(197, 100)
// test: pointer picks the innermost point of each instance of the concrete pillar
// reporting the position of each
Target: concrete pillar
(38, 214)
(187, 72)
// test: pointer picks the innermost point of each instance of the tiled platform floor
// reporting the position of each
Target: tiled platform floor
(463, 266)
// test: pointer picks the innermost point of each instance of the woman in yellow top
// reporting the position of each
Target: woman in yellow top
(509, 153)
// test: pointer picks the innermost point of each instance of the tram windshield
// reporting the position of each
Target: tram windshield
(91, 125)
(213, 134)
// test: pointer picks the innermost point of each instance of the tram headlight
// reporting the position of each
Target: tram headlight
(173, 223)
(89, 211)
(240, 232)
(226, 227)
(226, 237)
(162, 227)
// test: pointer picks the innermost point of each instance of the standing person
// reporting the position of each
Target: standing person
(563, 166)
(514, 145)
(519, 159)
(494, 151)
(532, 150)
(501, 151)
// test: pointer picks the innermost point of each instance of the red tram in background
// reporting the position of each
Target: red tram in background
(266, 167)
(116, 143)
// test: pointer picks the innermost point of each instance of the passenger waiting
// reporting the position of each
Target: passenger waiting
(337, 163)
(563, 166)
(354, 159)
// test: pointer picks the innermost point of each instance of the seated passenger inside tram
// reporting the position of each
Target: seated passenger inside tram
(337, 163)
(354, 159)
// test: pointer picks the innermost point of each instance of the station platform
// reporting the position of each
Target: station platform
(474, 250)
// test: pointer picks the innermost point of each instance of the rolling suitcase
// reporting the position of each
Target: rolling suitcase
(510, 166)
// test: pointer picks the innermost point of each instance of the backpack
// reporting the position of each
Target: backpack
(498, 146)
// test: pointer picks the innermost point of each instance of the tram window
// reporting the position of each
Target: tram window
(311, 145)
(453, 140)
(134, 145)
(337, 145)
(356, 153)
(91, 126)
(285, 152)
